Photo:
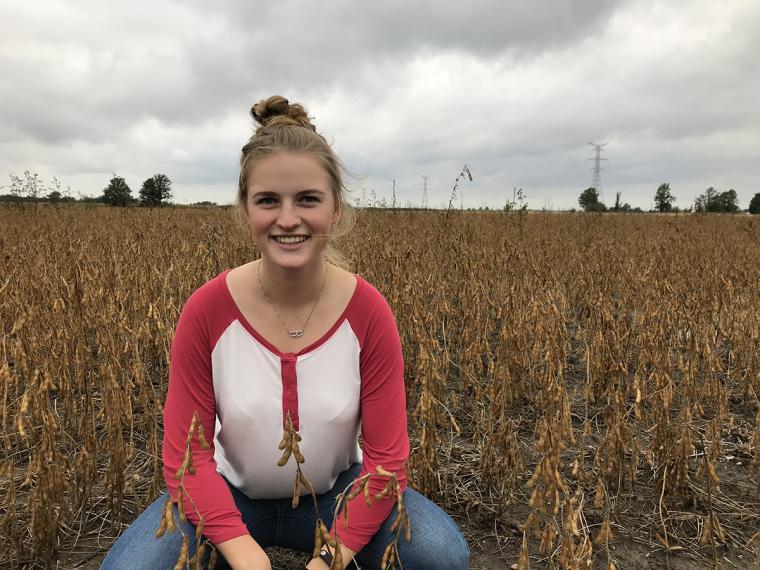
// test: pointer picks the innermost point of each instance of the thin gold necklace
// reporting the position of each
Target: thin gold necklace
(298, 333)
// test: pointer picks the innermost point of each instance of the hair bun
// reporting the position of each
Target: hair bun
(276, 110)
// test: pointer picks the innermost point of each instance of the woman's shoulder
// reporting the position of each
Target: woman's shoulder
(367, 298)
(210, 295)
(245, 273)
(371, 318)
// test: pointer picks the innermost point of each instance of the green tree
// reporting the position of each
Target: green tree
(714, 201)
(156, 191)
(728, 201)
(706, 202)
(618, 206)
(663, 199)
(54, 191)
(589, 201)
(117, 193)
(596, 207)
(754, 204)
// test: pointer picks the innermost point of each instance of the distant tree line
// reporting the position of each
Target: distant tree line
(156, 191)
(709, 201)
(714, 201)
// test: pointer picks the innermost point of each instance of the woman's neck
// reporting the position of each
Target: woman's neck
(293, 287)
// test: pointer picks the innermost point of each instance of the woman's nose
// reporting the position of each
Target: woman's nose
(288, 217)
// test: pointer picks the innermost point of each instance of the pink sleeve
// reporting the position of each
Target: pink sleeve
(383, 410)
(191, 388)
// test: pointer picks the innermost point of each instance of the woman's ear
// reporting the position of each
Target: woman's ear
(336, 215)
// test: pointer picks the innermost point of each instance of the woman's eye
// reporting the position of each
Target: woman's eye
(309, 198)
(265, 201)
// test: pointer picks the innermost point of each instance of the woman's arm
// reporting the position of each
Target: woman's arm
(383, 412)
(191, 390)
(244, 553)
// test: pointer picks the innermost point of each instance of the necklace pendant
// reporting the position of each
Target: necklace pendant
(295, 334)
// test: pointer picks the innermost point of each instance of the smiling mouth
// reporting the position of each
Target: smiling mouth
(290, 239)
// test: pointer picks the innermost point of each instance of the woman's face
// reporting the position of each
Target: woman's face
(290, 208)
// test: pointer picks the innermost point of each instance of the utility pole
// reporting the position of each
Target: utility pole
(596, 179)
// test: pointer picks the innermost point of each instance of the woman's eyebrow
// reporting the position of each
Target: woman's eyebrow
(299, 193)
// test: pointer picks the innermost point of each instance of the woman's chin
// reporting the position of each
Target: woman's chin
(290, 260)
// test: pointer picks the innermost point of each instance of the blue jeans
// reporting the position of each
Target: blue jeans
(436, 539)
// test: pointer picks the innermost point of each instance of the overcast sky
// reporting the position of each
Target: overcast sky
(513, 89)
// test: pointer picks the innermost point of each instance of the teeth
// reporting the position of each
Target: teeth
(290, 239)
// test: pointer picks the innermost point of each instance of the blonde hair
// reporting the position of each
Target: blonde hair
(286, 127)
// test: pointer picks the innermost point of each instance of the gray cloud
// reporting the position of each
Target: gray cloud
(181, 65)
(513, 89)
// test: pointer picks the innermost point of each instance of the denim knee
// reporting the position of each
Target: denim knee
(138, 548)
(436, 541)
(448, 551)
(459, 553)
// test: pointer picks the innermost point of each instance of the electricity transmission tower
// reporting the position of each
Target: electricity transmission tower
(424, 191)
(596, 181)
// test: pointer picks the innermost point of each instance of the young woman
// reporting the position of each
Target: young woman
(290, 334)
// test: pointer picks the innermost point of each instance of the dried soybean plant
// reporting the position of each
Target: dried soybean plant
(460, 178)
(401, 522)
(615, 342)
(184, 560)
(88, 302)
(289, 446)
(553, 430)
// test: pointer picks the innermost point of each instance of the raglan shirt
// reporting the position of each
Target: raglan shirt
(347, 383)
